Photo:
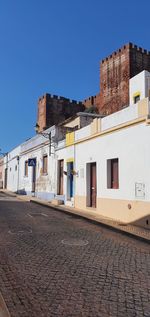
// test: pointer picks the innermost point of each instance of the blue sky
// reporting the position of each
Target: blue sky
(55, 46)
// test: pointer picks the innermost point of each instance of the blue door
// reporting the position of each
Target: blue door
(71, 179)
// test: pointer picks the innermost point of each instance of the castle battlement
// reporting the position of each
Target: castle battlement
(59, 98)
(123, 49)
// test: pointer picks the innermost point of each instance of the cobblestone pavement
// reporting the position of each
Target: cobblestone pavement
(54, 264)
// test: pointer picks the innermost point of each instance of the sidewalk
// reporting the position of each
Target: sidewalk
(130, 230)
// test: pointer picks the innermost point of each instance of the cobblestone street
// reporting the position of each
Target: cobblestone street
(54, 264)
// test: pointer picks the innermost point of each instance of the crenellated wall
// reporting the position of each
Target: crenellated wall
(54, 109)
(115, 73)
(116, 70)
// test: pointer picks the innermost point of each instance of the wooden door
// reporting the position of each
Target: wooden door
(71, 179)
(61, 177)
(93, 185)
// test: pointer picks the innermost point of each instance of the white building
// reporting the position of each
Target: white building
(39, 178)
(1, 172)
(139, 87)
(106, 163)
(102, 167)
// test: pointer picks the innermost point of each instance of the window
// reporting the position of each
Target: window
(45, 164)
(136, 98)
(26, 168)
(15, 167)
(113, 173)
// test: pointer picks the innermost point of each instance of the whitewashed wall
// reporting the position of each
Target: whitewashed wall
(13, 169)
(82, 133)
(139, 83)
(45, 184)
(119, 117)
(132, 147)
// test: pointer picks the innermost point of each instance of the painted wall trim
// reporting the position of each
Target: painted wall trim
(111, 130)
(37, 147)
(137, 93)
(70, 160)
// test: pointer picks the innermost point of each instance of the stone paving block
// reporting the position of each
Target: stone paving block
(41, 276)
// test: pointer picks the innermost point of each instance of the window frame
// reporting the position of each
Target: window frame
(113, 173)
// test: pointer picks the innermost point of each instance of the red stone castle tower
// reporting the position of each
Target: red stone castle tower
(115, 72)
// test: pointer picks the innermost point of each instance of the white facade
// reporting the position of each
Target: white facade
(45, 182)
(11, 164)
(17, 180)
(123, 136)
(139, 86)
(1, 172)
(133, 166)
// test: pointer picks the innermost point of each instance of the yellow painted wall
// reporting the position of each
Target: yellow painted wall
(94, 126)
(69, 138)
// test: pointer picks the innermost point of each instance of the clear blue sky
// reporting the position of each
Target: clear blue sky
(55, 46)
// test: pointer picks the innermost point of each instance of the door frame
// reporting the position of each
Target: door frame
(60, 188)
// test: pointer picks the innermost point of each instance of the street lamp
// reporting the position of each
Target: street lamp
(46, 135)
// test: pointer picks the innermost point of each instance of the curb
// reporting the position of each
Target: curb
(8, 194)
(97, 222)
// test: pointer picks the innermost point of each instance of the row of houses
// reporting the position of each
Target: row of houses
(91, 162)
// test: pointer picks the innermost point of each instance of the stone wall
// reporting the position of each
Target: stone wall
(115, 72)
(53, 109)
